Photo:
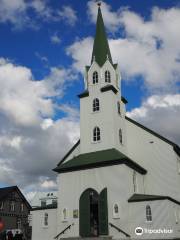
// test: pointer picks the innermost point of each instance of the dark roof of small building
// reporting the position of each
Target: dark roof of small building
(146, 197)
(49, 206)
(98, 159)
(4, 192)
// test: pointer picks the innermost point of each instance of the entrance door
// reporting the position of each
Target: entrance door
(88, 217)
(103, 213)
(93, 216)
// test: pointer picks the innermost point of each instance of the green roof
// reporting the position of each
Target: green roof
(98, 159)
(101, 47)
(146, 197)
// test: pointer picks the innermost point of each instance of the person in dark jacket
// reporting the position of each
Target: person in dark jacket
(9, 235)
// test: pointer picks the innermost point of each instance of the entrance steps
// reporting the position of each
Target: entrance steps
(88, 238)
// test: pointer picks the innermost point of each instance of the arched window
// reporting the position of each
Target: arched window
(119, 108)
(64, 213)
(96, 134)
(148, 214)
(95, 77)
(46, 219)
(107, 77)
(95, 105)
(116, 209)
(116, 213)
(120, 136)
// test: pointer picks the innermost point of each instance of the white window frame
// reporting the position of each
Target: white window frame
(65, 214)
(46, 219)
(116, 215)
(96, 134)
(176, 216)
(107, 76)
(148, 214)
(96, 105)
(12, 206)
(95, 77)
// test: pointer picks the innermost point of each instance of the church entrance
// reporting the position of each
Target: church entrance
(93, 217)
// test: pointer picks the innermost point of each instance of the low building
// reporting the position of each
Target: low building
(44, 215)
(14, 211)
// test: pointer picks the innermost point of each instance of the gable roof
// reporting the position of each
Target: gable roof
(175, 146)
(98, 159)
(69, 152)
(146, 197)
(4, 192)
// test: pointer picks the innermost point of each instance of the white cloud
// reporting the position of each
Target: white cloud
(111, 19)
(13, 12)
(31, 142)
(48, 122)
(55, 39)
(21, 98)
(17, 12)
(49, 184)
(81, 51)
(68, 14)
(161, 113)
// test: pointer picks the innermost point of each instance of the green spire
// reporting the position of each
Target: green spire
(101, 49)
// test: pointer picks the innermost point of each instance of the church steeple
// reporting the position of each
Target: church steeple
(101, 49)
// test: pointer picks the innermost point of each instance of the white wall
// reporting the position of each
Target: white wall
(41, 232)
(162, 218)
(117, 179)
(107, 119)
(158, 158)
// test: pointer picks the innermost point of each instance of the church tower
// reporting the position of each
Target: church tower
(102, 109)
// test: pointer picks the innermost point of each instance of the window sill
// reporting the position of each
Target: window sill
(148, 222)
(64, 220)
(93, 112)
(96, 142)
(45, 226)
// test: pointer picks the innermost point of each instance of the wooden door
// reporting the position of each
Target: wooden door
(103, 213)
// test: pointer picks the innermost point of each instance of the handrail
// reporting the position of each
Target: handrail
(119, 230)
(63, 231)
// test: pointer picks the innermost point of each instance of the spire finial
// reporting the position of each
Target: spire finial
(99, 3)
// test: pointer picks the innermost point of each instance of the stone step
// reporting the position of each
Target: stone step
(88, 238)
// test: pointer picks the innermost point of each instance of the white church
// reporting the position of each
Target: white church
(121, 180)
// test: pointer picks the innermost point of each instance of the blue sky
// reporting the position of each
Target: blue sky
(27, 46)
(44, 46)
